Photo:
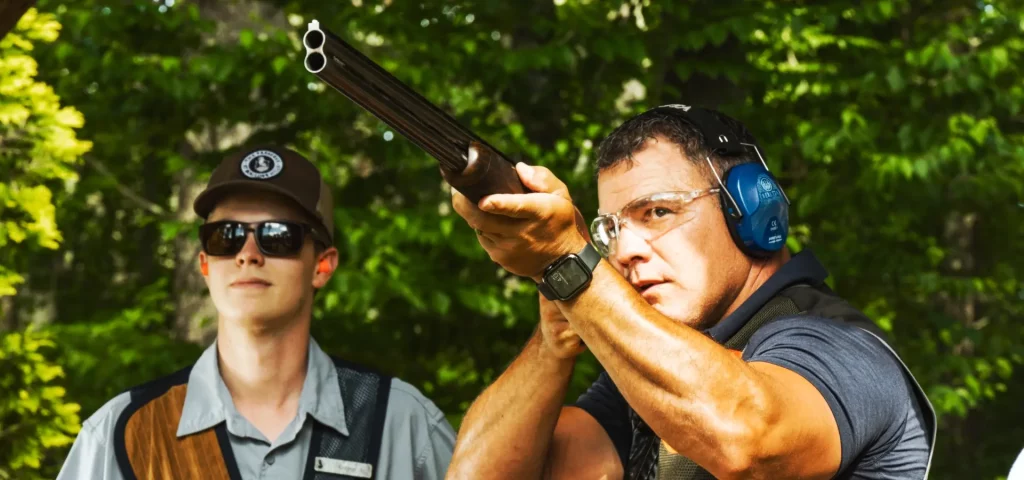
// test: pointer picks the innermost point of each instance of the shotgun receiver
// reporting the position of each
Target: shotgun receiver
(468, 163)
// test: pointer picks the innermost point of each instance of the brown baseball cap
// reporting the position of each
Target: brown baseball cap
(275, 169)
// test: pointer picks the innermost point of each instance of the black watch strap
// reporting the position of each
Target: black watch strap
(590, 257)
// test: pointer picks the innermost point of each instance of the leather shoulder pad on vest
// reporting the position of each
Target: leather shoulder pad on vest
(145, 436)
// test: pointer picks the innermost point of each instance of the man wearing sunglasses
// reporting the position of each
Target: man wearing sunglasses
(724, 356)
(265, 401)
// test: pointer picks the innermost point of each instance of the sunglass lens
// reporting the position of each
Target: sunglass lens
(277, 238)
(224, 238)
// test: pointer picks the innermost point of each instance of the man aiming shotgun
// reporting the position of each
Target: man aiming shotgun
(725, 355)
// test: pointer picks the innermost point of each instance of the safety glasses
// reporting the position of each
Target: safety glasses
(274, 238)
(649, 217)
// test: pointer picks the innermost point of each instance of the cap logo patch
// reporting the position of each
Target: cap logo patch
(262, 165)
(685, 108)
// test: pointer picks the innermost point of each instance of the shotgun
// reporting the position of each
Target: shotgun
(468, 163)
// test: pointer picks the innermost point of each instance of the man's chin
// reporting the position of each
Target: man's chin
(249, 318)
(670, 311)
(677, 312)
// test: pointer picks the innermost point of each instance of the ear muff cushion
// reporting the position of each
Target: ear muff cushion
(733, 224)
(764, 225)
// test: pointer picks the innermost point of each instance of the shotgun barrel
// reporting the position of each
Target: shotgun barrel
(468, 163)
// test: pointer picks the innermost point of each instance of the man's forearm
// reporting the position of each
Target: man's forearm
(695, 395)
(507, 431)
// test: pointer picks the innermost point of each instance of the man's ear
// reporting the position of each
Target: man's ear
(204, 266)
(326, 264)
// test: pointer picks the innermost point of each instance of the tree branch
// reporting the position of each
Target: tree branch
(10, 12)
(127, 192)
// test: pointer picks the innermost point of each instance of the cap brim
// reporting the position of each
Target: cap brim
(207, 201)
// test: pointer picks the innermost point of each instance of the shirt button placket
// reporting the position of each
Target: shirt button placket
(267, 462)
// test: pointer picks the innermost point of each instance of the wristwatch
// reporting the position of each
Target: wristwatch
(570, 274)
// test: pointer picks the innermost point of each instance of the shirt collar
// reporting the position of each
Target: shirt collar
(321, 392)
(208, 402)
(803, 267)
(204, 396)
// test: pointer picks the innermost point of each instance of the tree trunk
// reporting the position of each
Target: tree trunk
(7, 315)
(10, 12)
(193, 308)
(959, 240)
(958, 237)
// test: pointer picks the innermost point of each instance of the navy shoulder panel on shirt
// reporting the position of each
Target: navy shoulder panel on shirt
(864, 385)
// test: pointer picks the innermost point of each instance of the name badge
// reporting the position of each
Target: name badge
(343, 467)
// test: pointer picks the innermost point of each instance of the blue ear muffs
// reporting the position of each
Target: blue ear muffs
(755, 207)
(758, 220)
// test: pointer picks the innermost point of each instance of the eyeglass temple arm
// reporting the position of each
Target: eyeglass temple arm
(735, 205)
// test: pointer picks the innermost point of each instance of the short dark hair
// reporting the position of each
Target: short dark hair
(632, 136)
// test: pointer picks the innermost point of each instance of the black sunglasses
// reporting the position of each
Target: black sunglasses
(274, 238)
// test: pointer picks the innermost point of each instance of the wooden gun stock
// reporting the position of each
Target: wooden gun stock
(486, 173)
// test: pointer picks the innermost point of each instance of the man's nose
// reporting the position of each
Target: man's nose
(250, 253)
(630, 248)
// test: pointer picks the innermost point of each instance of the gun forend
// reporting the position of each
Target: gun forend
(468, 163)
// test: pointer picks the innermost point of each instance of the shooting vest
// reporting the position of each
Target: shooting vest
(147, 447)
(648, 458)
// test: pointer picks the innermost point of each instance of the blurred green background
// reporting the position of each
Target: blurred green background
(895, 126)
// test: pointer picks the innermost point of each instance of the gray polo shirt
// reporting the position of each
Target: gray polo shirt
(417, 441)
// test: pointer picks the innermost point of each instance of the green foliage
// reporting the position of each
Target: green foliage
(36, 420)
(128, 349)
(894, 126)
(38, 146)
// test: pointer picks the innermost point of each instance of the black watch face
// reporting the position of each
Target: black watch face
(568, 277)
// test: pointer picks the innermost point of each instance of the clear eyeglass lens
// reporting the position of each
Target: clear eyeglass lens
(603, 233)
(647, 217)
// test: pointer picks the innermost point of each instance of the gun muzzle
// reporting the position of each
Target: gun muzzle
(468, 163)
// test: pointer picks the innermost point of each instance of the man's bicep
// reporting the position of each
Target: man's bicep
(581, 448)
(606, 405)
(858, 379)
(807, 436)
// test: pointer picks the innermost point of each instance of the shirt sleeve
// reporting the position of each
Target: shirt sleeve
(92, 454)
(418, 440)
(435, 455)
(862, 382)
(605, 403)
